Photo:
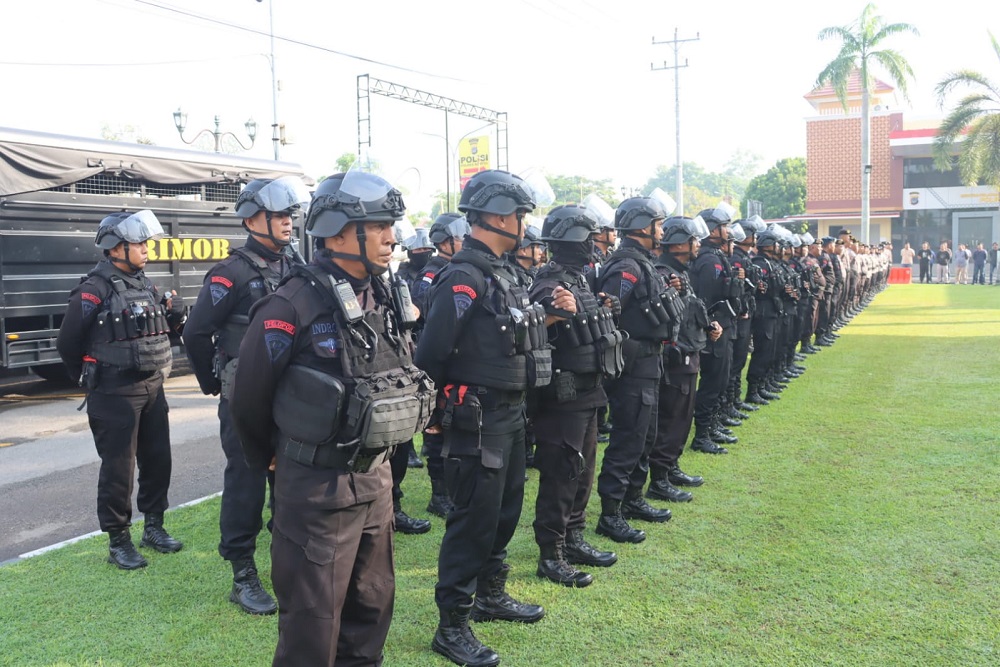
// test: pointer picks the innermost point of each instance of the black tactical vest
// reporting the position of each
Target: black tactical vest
(589, 343)
(132, 326)
(652, 313)
(352, 382)
(769, 303)
(504, 345)
(235, 327)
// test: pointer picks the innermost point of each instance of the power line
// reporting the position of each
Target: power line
(295, 41)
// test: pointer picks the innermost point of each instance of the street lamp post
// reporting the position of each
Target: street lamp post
(180, 122)
(451, 155)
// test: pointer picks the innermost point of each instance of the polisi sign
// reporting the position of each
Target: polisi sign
(188, 249)
(473, 157)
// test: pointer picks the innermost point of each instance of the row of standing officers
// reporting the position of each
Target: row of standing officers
(325, 371)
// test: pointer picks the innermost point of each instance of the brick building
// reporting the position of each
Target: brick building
(911, 199)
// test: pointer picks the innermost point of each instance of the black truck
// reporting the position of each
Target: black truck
(54, 191)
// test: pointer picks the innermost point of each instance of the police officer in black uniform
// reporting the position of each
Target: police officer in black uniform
(586, 349)
(484, 344)
(646, 316)
(770, 309)
(745, 233)
(326, 388)
(528, 257)
(418, 251)
(115, 339)
(720, 286)
(447, 234)
(212, 337)
(681, 358)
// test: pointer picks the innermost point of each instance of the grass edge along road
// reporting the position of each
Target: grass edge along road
(854, 524)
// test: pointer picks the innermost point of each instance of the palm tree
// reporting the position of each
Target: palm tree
(858, 52)
(977, 117)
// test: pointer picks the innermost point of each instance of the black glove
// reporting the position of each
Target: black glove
(611, 302)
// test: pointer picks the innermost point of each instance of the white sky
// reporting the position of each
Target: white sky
(573, 75)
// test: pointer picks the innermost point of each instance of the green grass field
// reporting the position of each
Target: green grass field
(854, 524)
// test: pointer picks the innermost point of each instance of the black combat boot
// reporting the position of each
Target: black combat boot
(493, 603)
(414, 460)
(753, 395)
(579, 552)
(247, 591)
(440, 504)
(552, 565)
(405, 524)
(703, 440)
(612, 524)
(635, 507)
(455, 641)
(660, 488)
(721, 435)
(156, 538)
(122, 552)
(678, 477)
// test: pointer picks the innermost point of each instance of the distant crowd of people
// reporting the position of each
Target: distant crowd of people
(940, 263)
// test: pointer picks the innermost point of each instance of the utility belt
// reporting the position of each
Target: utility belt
(346, 458)
(567, 385)
(642, 348)
(96, 374)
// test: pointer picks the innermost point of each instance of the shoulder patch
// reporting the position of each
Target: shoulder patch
(465, 289)
(287, 327)
(629, 277)
(88, 302)
(222, 280)
(218, 291)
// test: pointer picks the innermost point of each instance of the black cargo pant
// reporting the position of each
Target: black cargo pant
(716, 362)
(332, 568)
(742, 336)
(399, 464)
(632, 401)
(565, 455)
(674, 417)
(130, 427)
(244, 490)
(765, 345)
(487, 490)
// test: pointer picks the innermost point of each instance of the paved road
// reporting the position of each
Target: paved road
(48, 464)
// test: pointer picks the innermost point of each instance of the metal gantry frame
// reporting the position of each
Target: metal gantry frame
(368, 86)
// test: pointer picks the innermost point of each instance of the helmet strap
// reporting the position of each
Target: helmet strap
(127, 261)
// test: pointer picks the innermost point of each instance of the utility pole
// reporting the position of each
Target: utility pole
(677, 106)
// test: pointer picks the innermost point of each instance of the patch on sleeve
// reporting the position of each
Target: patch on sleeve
(88, 302)
(218, 291)
(278, 337)
(222, 280)
(428, 278)
(718, 270)
(464, 289)
(462, 301)
(280, 324)
(629, 277)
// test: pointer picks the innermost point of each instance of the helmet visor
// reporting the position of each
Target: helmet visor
(403, 230)
(139, 227)
(668, 202)
(754, 224)
(601, 210)
(807, 239)
(284, 194)
(698, 228)
(724, 213)
(538, 187)
(737, 233)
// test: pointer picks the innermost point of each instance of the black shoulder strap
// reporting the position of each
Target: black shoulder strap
(477, 260)
(257, 262)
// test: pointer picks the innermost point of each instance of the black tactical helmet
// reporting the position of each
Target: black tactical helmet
(680, 229)
(419, 241)
(531, 237)
(715, 217)
(448, 226)
(287, 193)
(498, 192)
(125, 227)
(638, 213)
(353, 197)
(768, 237)
(571, 223)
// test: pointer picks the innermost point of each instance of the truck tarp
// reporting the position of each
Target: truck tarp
(31, 161)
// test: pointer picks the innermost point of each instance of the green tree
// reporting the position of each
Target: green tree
(127, 133)
(728, 184)
(781, 190)
(859, 51)
(572, 189)
(345, 161)
(976, 117)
